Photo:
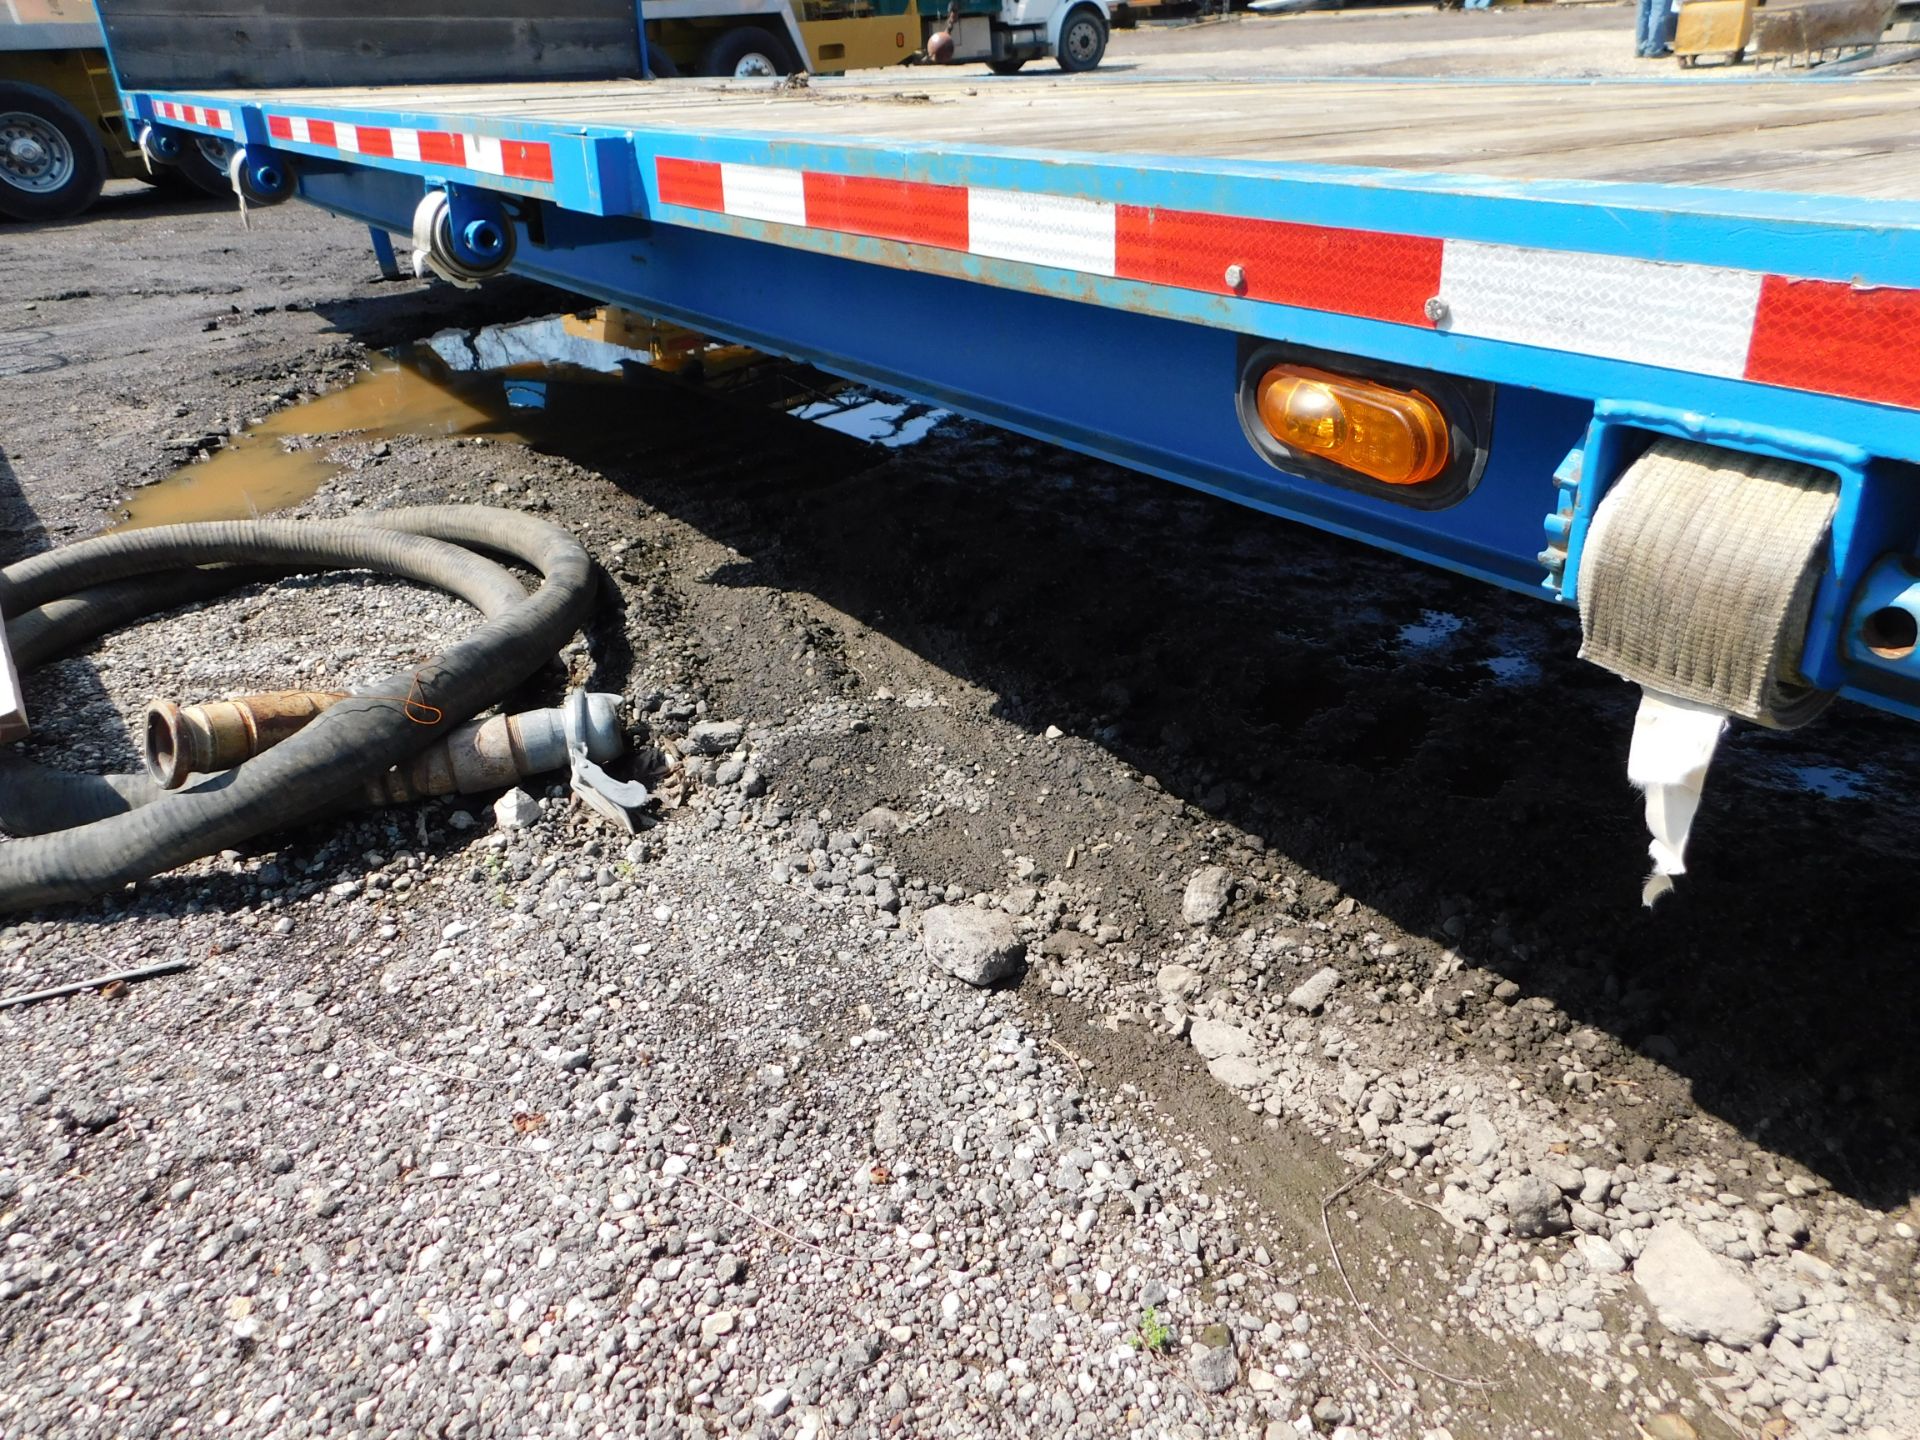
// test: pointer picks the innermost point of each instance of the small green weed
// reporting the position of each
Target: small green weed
(1152, 1333)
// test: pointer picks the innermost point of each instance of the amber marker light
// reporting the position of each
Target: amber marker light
(1398, 437)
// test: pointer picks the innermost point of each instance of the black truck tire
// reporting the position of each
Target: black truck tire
(747, 50)
(1005, 67)
(1083, 40)
(52, 164)
(194, 173)
(202, 172)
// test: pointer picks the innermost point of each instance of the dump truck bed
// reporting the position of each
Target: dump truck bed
(1848, 139)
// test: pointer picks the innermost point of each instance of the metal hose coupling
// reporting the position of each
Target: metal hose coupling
(490, 754)
(187, 740)
(494, 753)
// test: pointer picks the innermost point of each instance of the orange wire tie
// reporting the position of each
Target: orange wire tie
(415, 704)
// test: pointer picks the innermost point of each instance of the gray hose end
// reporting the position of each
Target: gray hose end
(604, 737)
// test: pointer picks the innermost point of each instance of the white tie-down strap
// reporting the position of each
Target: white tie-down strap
(235, 164)
(1697, 579)
(1673, 743)
(13, 703)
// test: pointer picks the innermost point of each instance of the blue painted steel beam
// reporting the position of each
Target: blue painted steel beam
(1883, 429)
(1079, 382)
(383, 255)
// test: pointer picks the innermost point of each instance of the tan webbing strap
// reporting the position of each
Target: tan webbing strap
(1698, 576)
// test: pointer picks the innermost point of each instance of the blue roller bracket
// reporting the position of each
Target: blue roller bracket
(160, 145)
(262, 176)
(479, 234)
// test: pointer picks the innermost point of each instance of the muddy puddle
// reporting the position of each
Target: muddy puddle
(535, 381)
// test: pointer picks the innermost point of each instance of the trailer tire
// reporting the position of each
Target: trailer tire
(194, 173)
(204, 173)
(52, 164)
(1083, 40)
(1005, 67)
(745, 52)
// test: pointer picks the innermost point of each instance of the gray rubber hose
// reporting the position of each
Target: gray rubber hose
(65, 594)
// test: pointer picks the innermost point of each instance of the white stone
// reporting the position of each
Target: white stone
(1237, 1071)
(975, 946)
(1207, 895)
(1314, 992)
(1697, 1294)
(1179, 982)
(516, 810)
(1601, 1257)
(1212, 1039)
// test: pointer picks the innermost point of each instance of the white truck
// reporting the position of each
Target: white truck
(1006, 34)
(826, 37)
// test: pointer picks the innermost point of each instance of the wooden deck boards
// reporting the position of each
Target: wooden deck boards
(1858, 138)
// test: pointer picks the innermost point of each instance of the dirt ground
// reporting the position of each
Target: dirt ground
(1409, 776)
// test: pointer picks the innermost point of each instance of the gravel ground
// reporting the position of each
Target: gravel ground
(464, 1128)
(1548, 41)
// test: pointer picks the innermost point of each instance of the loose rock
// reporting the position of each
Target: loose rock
(1314, 992)
(977, 946)
(1696, 1293)
(1207, 897)
(1237, 1071)
(1533, 1205)
(714, 737)
(1600, 1256)
(1179, 982)
(1214, 1369)
(516, 810)
(1213, 1038)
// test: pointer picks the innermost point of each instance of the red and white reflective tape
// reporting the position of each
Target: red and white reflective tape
(486, 154)
(194, 115)
(1825, 336)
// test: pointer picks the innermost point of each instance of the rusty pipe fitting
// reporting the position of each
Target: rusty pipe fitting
(494, 753)
(187, 740)
(490, 754)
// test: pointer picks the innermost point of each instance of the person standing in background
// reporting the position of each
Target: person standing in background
(1653, 28)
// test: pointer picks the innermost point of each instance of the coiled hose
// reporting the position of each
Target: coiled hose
(84, 835)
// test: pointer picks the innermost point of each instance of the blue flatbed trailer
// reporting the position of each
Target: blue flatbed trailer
(1114, 262)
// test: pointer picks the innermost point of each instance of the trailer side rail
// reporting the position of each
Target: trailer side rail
(1597, 313)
